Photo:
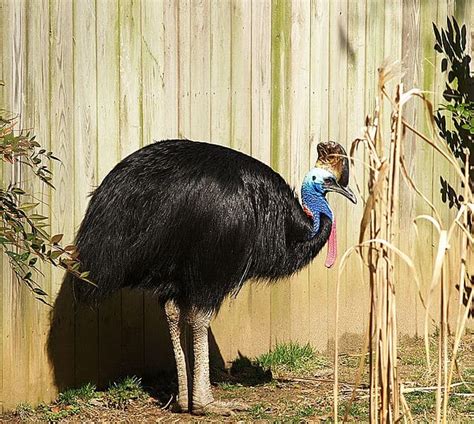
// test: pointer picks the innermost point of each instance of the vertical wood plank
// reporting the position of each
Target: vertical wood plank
(159, 62)
(160, 121)
(241, 130)
(108, 135)
(37, 117)
(220, 72)
(338, 131)
(259, 302)
(410, 43)
(13, 295)
(319, 131)
(184, 69)
(357, 314)
(85, 169)
(61, 338)
(280, 136)
(131, 126)
(220, 133)
(300, 161)
(199, 69)
(4, 45)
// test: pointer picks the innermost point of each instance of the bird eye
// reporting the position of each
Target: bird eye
(314, 177)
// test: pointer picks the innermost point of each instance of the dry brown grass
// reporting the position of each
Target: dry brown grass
(378, 252)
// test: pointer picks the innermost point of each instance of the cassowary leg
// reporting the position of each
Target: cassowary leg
(172, 312)
(202, 395)
(203, 401)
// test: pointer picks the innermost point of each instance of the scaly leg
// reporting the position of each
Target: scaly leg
(172, 312)
(203, 401)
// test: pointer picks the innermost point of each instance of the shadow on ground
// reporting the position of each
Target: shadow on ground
(127, 335)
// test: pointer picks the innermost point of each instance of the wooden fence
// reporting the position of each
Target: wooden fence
(97, 79)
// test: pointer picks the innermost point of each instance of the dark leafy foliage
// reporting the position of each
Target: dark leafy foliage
(23, 231)
(455, 119)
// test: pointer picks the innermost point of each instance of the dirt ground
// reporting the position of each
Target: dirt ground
(276, 395)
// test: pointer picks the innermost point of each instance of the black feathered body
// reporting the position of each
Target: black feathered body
(192, 222)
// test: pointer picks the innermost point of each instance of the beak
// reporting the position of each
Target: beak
(345, 191)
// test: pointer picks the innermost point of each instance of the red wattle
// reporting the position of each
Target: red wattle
(308, 213)
(332, 246)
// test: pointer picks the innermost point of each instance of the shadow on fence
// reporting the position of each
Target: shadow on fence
(126, 335)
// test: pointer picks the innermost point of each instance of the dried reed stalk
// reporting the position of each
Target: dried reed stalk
(378, 252)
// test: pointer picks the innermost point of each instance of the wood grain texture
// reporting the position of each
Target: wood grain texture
(14, 297)
(280, 147)
(259, 299)
(241, 136)
(85, 168)
(338, 62)
(37, 108)
(356, 313)
(411, 40)
(300, 160)
(131, 139)
(319, 131)
(220, 72)
(160, 121)
(108, 154)
(61, 343)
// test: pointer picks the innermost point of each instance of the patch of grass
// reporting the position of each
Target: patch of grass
(54, 413)
(415, 360)
(424, 403)
(291, 357)
(230, 386)
(70, 402)
(469, 374)
(120, 393)
(77, 396)
(259, 412)
(352, 361)
(53, 416)
(421, 403)
(359, 410)
(466, 388)
(304, 412)
(24, 411)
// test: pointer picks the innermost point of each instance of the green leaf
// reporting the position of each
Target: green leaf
(37, 217)
(55, 254)
(444, 65)
(40, 292)
(18, 190)
(28, 206)
(56, 238)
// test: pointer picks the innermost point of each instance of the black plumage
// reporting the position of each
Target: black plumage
(192, 222)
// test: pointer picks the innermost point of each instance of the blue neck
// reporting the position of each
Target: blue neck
(317, 204)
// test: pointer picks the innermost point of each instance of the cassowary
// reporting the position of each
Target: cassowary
(191, 222)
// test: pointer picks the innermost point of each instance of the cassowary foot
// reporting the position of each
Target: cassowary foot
(218, 407)
(180, 406)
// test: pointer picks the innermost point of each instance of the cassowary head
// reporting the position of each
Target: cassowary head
(331, 172)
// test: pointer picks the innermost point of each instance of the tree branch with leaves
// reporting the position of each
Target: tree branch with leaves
(24, 236)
